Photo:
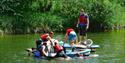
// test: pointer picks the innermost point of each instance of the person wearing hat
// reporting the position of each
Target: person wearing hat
(83, 25)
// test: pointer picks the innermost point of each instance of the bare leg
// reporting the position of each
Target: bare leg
(72, 45)
(85, 37)
(76, 41)
(80, 38)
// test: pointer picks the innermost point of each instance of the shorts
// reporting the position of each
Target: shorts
(37, 54)
(72, 36)
(82, 29)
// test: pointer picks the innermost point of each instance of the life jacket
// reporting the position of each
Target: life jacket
(68, 31)
(44, 37)
(58, 48)
(83, 19)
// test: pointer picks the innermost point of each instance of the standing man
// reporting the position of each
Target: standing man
(83, 25)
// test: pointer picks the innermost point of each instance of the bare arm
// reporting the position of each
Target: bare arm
(65, 38)
(77, 23)
(50, 39)
(87, 23)
(76, 40)
(43, 51)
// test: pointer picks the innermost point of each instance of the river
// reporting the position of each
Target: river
(112, 48)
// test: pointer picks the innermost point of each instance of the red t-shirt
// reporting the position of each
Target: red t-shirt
(69, 30)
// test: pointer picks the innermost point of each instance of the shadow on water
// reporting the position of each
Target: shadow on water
(112, 49)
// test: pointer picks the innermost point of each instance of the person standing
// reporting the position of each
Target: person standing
(83, 25)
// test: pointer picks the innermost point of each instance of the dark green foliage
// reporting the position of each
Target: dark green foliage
(31, 16)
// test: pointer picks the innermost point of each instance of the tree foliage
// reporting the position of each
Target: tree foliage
(29, 16)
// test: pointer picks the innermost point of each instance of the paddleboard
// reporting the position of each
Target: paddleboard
(73, 54)
(66, 45)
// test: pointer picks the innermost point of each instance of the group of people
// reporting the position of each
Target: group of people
(83, 25)
(45, 44)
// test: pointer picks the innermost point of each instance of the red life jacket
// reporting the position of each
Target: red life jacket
(58, 48)
(44, 37)
(83, 19)
(69, 30)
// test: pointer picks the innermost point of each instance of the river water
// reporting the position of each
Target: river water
(112, 48)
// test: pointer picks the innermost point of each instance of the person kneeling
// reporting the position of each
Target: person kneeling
(59, 51)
